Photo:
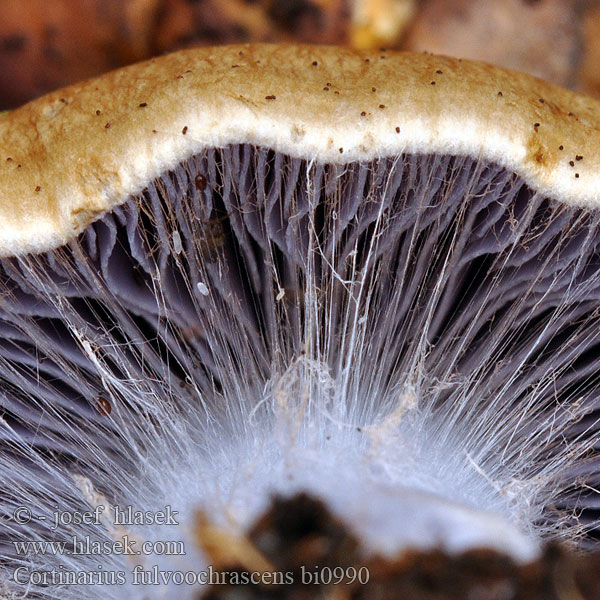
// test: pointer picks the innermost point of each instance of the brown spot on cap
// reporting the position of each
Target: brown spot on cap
(500, 94)
(314, 63)
(37, 188)
(397, 129)
(98, 112)
(107, 126)
(578, 157)
(143, 104)
(561, 147)
(271, 97)
(572, 163)
(382, 106)
(363, 114)
(341, 150)
(184, 130)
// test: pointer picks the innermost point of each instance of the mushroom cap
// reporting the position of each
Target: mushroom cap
(70, 156)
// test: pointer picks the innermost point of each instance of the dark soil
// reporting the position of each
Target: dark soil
(303, 541)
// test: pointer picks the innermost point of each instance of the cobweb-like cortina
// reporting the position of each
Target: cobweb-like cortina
(413, 340)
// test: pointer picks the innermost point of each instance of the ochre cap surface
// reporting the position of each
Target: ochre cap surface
(70, 156)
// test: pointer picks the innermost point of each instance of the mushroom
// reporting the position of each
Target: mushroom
(253, 270)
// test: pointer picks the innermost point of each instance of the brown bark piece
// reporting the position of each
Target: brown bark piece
(539, 37)
(46, 45)
(589, 72)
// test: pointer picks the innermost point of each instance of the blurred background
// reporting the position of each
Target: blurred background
(46, 44)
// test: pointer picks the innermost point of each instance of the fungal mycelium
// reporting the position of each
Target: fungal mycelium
(314, 272)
